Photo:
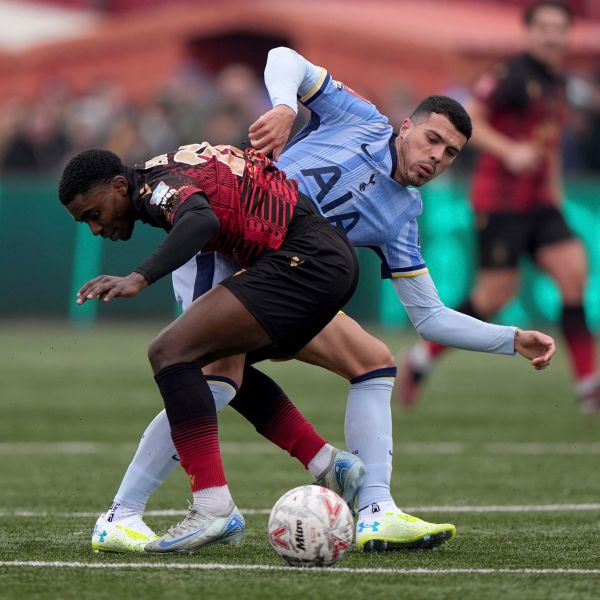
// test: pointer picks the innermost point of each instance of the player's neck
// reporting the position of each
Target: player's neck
(399, 173)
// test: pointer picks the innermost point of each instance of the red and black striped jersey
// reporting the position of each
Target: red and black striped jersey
(525, 102)
(252, 199)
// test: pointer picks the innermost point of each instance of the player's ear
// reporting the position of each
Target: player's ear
(120, 184)
(405, 127)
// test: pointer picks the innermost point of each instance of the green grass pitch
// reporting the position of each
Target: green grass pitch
(491, 446)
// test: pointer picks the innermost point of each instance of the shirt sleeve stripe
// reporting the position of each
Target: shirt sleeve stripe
(421, 271)
(315, 88)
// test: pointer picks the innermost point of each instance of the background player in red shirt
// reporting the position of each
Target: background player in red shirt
(518, 112)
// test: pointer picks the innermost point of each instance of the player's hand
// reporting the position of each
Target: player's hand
(270, 133)
(107, 287)
(523, 157)
(537, 347)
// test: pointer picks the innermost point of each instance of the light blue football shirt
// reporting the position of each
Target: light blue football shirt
(343, 160)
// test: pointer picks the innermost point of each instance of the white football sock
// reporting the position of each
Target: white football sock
(156, 456)
(377, 509)
(320, 460)
(214, 500)
(368, 429)
(586, 385)
(118, 512)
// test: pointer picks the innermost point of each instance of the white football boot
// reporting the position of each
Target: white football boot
(197, 531)
(384, 530)
(344, 475)
(125, 535)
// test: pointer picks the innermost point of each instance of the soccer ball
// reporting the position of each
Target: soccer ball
(310, 526)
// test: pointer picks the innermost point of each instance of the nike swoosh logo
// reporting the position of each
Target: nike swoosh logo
(363, 147)
(167, 544)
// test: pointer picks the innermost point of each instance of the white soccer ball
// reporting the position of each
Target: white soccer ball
(310, 526)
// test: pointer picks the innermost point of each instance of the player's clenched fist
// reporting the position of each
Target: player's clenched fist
(536, 346)
(270, 133)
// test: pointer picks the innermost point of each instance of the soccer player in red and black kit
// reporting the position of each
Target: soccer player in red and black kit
(297, 272)
(518, 112)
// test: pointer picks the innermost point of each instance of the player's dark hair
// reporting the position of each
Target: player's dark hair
(531, 10)
(448, 107)
(87, 170)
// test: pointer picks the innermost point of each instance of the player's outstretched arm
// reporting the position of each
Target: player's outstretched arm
(536, 346)
(436, 322)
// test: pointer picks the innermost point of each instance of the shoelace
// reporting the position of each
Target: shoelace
(183, 526)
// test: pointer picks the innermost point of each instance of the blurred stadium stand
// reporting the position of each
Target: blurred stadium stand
(141, 76)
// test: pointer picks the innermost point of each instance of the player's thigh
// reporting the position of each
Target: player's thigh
(214, 326)
(566, 263)
(494, 288)
(196, 277)
(345, 348)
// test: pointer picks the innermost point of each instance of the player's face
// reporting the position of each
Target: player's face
(426, 148)
(547, 35)
(107, 209)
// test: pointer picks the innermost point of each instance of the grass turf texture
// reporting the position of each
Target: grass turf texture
(489, 432)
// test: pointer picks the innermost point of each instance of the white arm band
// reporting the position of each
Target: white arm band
(288, 75)
(438, 323)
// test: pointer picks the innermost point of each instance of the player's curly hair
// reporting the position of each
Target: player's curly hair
(448, 107)
(87, 170)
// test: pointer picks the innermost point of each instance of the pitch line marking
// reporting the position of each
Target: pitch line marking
(515, 508)
(290, 570)
(50, 448)
(263, 448)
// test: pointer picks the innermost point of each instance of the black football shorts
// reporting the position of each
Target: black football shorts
(295, 291)
(504, 237)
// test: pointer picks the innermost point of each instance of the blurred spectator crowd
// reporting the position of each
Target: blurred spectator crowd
(37, 137)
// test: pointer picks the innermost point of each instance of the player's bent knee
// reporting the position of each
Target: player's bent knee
(383, 357)
(164, 351)
(378, 356)
(157, 355)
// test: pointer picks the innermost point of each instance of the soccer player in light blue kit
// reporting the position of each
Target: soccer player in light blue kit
(348, 160)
